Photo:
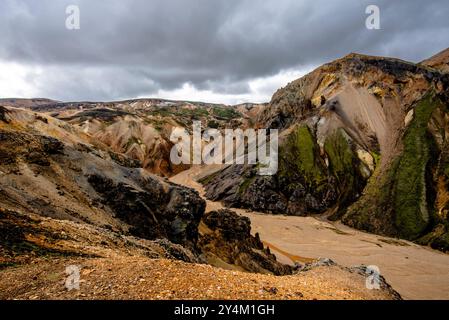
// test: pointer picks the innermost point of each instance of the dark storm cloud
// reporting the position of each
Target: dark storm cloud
(129, 48)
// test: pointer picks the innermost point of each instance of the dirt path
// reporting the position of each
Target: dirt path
(416, 272)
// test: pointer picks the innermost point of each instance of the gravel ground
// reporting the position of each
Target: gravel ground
(124, 277)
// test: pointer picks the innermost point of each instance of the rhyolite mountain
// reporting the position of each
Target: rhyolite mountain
(140, 129)
(363, 139)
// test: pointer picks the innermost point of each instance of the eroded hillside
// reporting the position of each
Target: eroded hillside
(140, 129)
(53, 169)
(363, 139)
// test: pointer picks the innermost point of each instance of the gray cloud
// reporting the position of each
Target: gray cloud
(137, 47)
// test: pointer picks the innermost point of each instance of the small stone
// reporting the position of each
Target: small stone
(272, 290)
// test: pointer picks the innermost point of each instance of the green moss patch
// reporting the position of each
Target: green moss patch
(344, 165)
(300, 154)
(245, 184)
(341, 156)
(412, 211)
(205, 180)
(397, 201)
(226, 113)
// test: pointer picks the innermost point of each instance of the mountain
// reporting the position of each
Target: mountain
(440, 61)
(26, 103)
(140, 129)
(362, 139)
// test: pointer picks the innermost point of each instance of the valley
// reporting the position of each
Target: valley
(415, 271)
(362, 180)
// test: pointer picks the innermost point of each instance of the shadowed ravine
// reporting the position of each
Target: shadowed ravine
(416, 272)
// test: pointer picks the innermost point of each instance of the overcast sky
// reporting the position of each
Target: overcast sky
(219, 51)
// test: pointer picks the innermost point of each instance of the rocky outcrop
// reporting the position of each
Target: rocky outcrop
(304, 183)
(16, 147)
(3, 112)
(153, 211)
(25, 237)
(152, 208)
(226, 240)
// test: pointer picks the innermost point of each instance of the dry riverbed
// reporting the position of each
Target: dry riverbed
(416, 272)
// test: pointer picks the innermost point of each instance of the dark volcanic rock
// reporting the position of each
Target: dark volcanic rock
(33, 149)
(152, 211)
(241, 187)
(3, 112)
(227, 236)
(125, 161)
(51, 145)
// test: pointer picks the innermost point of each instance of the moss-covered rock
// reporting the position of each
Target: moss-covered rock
(300, 156)
(345, 166)
(304, 183)
(411, 203)
(399, 200)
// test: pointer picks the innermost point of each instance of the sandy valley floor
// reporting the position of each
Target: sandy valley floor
(414, 271)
